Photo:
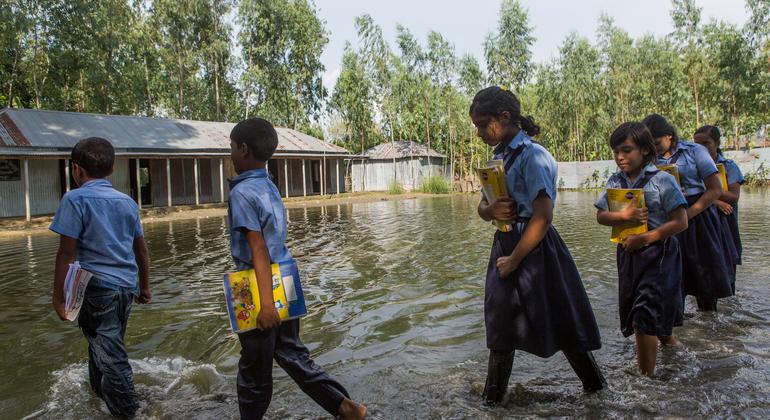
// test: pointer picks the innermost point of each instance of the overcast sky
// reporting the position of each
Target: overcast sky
(465, 23)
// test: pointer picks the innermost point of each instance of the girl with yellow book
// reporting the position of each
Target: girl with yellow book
(709, 137)
(649, 265)
(707, 270)
(534, 299)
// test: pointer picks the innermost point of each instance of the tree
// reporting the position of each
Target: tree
(508, 54)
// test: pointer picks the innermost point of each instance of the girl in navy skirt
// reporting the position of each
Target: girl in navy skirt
(707, 268)
(709, 137)
(534, 297)
(649, 264)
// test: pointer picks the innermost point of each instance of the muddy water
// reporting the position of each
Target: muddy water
(395, 295)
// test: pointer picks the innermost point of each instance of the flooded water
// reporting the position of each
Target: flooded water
(395, 294)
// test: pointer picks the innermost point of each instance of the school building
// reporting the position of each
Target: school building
(159, 162)
(408, 162)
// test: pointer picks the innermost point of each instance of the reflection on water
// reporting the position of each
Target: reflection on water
(395, 297)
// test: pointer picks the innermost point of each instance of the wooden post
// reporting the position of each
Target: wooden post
(138, 185)
(304, 181)
(26, 190)
(323, 176)
(286, 177)
(337, 188)
(168, 181)
(197, 195)
(221, 180)
(67, 175)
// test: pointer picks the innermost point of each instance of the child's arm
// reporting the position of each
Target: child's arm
(677, 222)
(631, 214)
(542, 214)
(732, 194)
(713, 191)
(503, 209)
(143, 261)
(268, 316)
(64, 257)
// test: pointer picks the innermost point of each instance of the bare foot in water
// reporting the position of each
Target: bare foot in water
(669, 340)
(350, 410)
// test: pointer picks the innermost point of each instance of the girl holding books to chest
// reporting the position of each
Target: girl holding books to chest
(709, 137)
(649, 265)
(708, 252)
(534, 298)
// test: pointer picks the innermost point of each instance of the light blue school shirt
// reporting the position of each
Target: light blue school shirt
(534, 170)
(255, 204)
(694, 164)
(105, 223)
(661, 194)
(732, 170)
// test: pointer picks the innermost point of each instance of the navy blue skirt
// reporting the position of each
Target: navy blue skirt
(542, 307)
(650, 288)
(707, 259)
(730, 224)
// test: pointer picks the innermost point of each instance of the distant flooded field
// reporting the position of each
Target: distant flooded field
(395, 294)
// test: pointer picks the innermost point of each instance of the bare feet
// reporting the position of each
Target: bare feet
(670, 341)
(350, 410)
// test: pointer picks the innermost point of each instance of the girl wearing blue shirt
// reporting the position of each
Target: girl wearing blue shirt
(706, 268)
(534, 297)
(649, 265)
(709, 137)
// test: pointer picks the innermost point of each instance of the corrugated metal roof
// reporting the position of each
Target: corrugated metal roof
(52, 130)
(400, 149)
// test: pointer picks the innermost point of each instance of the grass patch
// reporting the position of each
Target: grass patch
(436, 185)
(395, 188)
(758, 178)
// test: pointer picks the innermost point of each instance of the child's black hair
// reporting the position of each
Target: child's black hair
(659, 127)
(95, 155)
(493, 101)
(712, 132)
(259, 134)
(639, 134)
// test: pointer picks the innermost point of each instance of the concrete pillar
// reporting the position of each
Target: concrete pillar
(67, 175)
(168, 181)
(197, 193)
(138, 184)
(323, 176)
(286, 177)
(27, 211)
(304, 181)
(337, 188)
(221, 180)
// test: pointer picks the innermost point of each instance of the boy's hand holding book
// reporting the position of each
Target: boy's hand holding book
(634, 214)
(268, 316)
(59, 307)
(634, 242)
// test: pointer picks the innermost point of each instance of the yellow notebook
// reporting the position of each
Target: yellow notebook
(722, 175)
(673, 170)
(619, 199)
(242, 295)
(493, 187)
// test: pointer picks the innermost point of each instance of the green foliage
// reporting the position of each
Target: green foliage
(593, 181)
(436, 185)
(395, 188)
(758, 178)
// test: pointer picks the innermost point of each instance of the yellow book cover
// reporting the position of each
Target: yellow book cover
(493, 187)
(619, 199)
(242, 295)
(673, 170)
(722, 175)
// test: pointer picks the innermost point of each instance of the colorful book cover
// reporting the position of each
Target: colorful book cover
(242, 295)
(75, 285)
(673, 170)
(619, 199)
(723, 175)
(493, 187)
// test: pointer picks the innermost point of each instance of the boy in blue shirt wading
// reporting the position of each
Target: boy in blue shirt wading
(257, 220)
(100, 227)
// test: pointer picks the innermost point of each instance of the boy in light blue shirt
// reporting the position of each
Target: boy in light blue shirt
(257, 221)
(100, 227)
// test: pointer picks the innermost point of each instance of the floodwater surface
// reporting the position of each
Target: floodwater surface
(395, 297)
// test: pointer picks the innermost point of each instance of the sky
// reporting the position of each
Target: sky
(465, 23)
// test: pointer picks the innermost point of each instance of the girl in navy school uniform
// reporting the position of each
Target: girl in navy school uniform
(534, 297)
(707, 252)
(649, 265)
(709, 137)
